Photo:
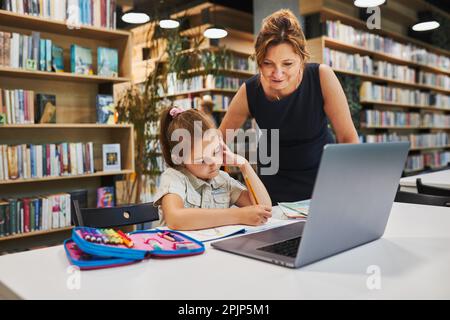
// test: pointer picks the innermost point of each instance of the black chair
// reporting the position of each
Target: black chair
(115, 216)
(435, 191)
(417, 198)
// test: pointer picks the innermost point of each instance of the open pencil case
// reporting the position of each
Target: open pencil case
(146, 244)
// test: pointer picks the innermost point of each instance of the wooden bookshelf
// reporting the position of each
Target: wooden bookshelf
(401, 105)
(58, 76)
(346, 13)
(75, 115)
(12, 19)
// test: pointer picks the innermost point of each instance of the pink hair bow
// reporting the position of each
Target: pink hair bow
(175, 111)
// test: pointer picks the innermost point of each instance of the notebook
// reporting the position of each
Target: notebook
(211, 234)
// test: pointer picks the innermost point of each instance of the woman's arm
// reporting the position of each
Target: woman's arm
(336, 106)
(237, 112)
(180, 218)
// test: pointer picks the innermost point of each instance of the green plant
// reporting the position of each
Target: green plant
(351, 85)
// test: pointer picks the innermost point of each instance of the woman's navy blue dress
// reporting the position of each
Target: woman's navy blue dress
(303, 132)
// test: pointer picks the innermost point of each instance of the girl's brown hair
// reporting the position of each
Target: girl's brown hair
(281, 27)
(185, 120)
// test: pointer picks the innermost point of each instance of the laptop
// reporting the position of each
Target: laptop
(350, 206)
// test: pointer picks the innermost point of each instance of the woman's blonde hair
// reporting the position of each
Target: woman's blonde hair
(280, 27)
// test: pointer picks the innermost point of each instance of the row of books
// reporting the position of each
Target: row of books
(16, 106)
(33, 53)
(209, 81)
(97, 13)
(241, 64)
(426, 140)
(436, 80)
(427, 160)
(30, 52)
(405, 119)
(35, 214)
(374, 42)
(27, 161)
(365, 65)
(221, 102)
(223, 82)
(374, 92)
(20, 106)
(390, 118)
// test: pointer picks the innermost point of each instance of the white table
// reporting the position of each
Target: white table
(413, 258)
(437, 179)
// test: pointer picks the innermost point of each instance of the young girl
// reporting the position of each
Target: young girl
(194, 193)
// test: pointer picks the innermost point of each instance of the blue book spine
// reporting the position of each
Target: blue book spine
(72, 58)
(48, 54)
(20, 161)
(42, 55)
(21, 106)
(33, 161)
(36, 214)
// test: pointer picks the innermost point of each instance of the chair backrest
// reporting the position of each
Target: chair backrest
(417, 198)
(115, 216)
(435, 191)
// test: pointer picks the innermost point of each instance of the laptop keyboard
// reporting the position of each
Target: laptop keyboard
(286, 248)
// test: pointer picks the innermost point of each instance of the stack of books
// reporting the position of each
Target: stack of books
(426, 140)
(374, 42)
(97, 13)
(27, 52)
(373, 118)
(27, 161)
(34, 214)
(373, 92)
(436, 80)
(16, 106)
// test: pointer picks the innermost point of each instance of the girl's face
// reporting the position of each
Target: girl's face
(206, 158)
(281, 66)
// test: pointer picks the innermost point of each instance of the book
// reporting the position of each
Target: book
(57, 58)
(105, 197)
(111, 157)
(3, 224)
(81, 60)
(107, 62)
(295, 210)
(211, 234)
(46, 108)
(106, 111)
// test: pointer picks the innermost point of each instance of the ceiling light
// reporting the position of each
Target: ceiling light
(368, 3)
(169, 24)
(135, 17)
(425, 26)
(215, 32)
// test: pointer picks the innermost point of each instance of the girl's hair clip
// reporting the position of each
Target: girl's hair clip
(175, 111)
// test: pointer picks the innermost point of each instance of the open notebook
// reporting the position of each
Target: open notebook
(206, 235)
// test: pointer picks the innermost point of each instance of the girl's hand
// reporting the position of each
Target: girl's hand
(230, 158)
(255, 215)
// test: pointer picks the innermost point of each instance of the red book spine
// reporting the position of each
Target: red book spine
(49, 160)
(26, 213)
(103, 12)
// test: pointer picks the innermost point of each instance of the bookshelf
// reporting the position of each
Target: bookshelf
(75, 116)
(409, 75)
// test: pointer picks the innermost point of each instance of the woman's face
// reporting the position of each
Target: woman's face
(281, 66)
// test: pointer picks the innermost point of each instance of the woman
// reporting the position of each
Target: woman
(295, 97)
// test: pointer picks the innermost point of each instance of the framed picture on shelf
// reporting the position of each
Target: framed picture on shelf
(111, 157)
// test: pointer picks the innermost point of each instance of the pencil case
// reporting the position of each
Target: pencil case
(146, 244)
(86, 261)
